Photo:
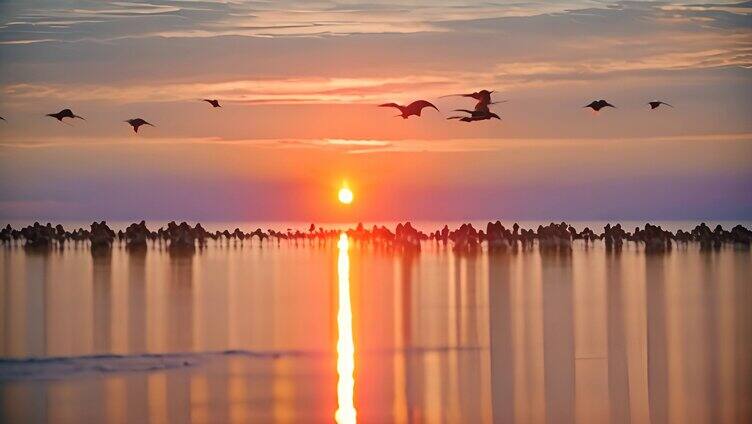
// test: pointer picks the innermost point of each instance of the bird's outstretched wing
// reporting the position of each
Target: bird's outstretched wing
(664, 103)
(390, 105)
(457, 95)
(483, 93)
(420, 104)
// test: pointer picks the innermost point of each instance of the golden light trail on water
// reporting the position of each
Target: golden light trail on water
(346, 413)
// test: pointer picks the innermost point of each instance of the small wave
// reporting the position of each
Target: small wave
(61, 367)
(50, 368)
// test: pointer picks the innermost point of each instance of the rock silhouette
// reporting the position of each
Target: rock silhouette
(559, 238)
(101, 236)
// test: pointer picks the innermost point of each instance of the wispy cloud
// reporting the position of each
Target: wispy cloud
(94, 20)
(170, 18)
(352, 146)
(266, 90)
(729, 52)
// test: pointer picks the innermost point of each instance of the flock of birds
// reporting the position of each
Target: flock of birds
(481, 112)
(184, 238)
(135, 123)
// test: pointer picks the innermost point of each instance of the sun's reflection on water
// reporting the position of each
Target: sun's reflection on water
(345, 346)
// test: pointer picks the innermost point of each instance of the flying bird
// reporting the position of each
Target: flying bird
(137, 122)
(213, 102)
(655, 104)
(413, 108)
(480, 110)
(65, 113)
(481, 113)
(597, 105)
(2, 119)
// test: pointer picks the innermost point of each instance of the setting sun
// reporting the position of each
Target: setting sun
(345, 196)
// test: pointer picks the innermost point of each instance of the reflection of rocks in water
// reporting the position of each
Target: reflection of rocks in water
(181, 268)
(182, 252)
(180, 314)
(102, 287)
(617, 342)
(101, 254)
(37, 250)
(501, 337)
(137, 300)
(657, 336)
(558, 336)
(35, 338)
(407, 262)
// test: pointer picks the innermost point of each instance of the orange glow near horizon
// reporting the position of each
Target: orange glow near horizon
(345, 413)
(345, 195)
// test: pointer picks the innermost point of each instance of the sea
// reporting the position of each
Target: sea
(346, 331)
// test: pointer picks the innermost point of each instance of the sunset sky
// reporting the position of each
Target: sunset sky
(299, 81)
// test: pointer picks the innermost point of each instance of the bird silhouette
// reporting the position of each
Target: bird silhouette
(597, 105)
(2, 119)
(656, 103)
(413, 108)
(481, 113)
(65, 113)
(137, 122)
(213, 102)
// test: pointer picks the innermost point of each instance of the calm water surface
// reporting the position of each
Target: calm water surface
(314, 332)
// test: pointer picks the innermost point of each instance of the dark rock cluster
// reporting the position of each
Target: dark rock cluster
(549, 238)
